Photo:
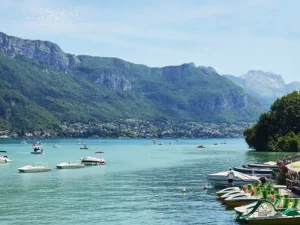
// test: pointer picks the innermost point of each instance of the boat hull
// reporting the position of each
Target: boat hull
(92, 163)
(239, 202)
(37, 153)
(289, 220)
(34, 170)
(224, 183)
(226, 190)
(5, 161)
(265, 166)
(74, 166)
(245, 208)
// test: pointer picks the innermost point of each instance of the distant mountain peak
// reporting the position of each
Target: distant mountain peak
(267, 85)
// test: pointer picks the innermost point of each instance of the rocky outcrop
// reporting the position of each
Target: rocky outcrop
(44, 52)
(113, 80)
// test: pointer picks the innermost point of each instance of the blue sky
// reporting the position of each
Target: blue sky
(233, 36)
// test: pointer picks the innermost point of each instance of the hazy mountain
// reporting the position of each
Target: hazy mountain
(41, 87)
(266, 86)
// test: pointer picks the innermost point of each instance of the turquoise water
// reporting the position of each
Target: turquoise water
(140, 184)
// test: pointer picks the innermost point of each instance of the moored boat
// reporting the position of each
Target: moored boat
(91, 161)
(70, 165)
(221, 179)
(255, 171)
(244, 209)
(231, 193)
(35, 168)
(226, 190)
(264, 212)
(266, 165)
(240, 199)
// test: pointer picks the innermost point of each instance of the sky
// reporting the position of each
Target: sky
(232, 36)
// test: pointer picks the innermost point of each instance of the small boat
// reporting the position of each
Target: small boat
(84, 147)
(4, 158)
(37, 150)
(266, 165)
(231, 193)
(91, 161)
(56, 146)
(255, 171)
(240, 199)
(201, 146)
(221, 179)
(70, 165)
(23, 142)
(35, 168)
(264, 212)
(244, 209)
(226, 190)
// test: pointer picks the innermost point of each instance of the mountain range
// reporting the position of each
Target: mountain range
(42, 87)
(266, 86)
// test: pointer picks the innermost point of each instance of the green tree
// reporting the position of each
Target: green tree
(278, 129)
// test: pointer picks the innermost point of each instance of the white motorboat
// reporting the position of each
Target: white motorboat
(266, 165)
(231, 193)
(255, 171)
(241, 199)
(35, 168)
(90, 161)
(37, 150)
(226, 190)
(221, 179)
(56, 146)
(70, 165)
(4, 158)
(244, 209)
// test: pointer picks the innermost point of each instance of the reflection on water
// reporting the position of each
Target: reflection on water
(261, 157)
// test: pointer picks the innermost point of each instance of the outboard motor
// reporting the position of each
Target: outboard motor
(263, 180)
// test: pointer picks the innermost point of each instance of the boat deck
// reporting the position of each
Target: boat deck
(286, 191)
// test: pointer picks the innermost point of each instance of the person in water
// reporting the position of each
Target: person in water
(230, 177)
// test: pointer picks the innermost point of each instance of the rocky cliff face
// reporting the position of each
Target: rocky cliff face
(50, 54)
(113, 80)
(44, 52)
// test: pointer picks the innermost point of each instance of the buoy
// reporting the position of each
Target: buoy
(205, 187)
(183, 190)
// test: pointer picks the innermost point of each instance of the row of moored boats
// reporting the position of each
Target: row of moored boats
(257, 202)
(44, 167)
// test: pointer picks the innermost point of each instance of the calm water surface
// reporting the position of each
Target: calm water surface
(140, 184)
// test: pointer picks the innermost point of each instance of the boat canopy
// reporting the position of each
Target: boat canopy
(3, 151)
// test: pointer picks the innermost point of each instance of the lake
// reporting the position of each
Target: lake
(140, 184)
